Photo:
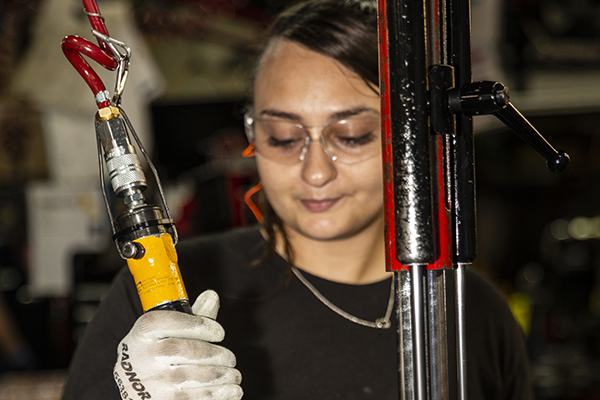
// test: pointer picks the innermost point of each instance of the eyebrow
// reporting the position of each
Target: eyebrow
(352, 112)
(270, 112)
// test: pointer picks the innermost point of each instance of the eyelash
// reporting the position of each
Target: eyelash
(357, 141)
(281, 143)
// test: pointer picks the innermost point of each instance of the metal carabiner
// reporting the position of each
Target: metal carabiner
(122, 54)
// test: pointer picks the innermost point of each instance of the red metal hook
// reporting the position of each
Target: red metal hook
(75, 47)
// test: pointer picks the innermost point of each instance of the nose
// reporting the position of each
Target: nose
(318, 168)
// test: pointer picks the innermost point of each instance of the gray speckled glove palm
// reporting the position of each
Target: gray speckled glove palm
(170, 355)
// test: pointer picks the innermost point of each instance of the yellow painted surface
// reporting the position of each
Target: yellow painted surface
(156, 274)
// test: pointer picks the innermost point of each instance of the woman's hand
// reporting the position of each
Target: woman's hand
(169, 355)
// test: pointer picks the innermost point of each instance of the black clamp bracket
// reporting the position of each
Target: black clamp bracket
(483, 98)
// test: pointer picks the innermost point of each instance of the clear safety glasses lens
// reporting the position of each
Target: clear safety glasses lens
(347, 141)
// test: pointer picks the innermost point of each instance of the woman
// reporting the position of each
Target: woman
(320, 329)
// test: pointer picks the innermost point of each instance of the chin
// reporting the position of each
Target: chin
(327, 232)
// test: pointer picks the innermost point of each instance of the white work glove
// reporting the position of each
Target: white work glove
(169, 355)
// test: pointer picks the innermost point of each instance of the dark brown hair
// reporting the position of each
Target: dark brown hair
(345, 30)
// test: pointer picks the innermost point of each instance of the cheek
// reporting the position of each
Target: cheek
(265, 171)
(369, 177)
(276, 179)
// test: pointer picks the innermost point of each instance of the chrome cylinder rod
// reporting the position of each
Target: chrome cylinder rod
(461, 340)
(405, 335)
(437, 334)
(420, 335)
(412, 365)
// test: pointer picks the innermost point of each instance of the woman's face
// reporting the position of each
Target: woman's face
(317, 198)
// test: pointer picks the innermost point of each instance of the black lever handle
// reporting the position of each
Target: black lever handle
(486, 97)
(557, 160)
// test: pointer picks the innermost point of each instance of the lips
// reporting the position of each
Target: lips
(319, 205)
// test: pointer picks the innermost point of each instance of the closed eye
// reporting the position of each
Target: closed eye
(352, 141)
(285, 144)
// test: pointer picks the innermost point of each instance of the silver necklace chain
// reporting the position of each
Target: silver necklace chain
(380, 323)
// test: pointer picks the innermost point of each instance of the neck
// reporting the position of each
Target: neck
(359, 259)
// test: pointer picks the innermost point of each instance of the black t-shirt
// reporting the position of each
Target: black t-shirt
(288, 344)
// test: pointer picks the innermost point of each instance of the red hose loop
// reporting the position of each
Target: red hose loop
(73, 47)
(76, 47)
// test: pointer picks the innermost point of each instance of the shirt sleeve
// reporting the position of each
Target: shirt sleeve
(497, 359)
(90, 374)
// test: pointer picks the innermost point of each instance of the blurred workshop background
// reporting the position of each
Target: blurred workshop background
(539, 232)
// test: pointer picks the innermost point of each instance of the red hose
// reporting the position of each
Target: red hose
(97, 22)
(75, 47)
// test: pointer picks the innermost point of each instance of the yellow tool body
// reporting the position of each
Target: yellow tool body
(156, 273)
